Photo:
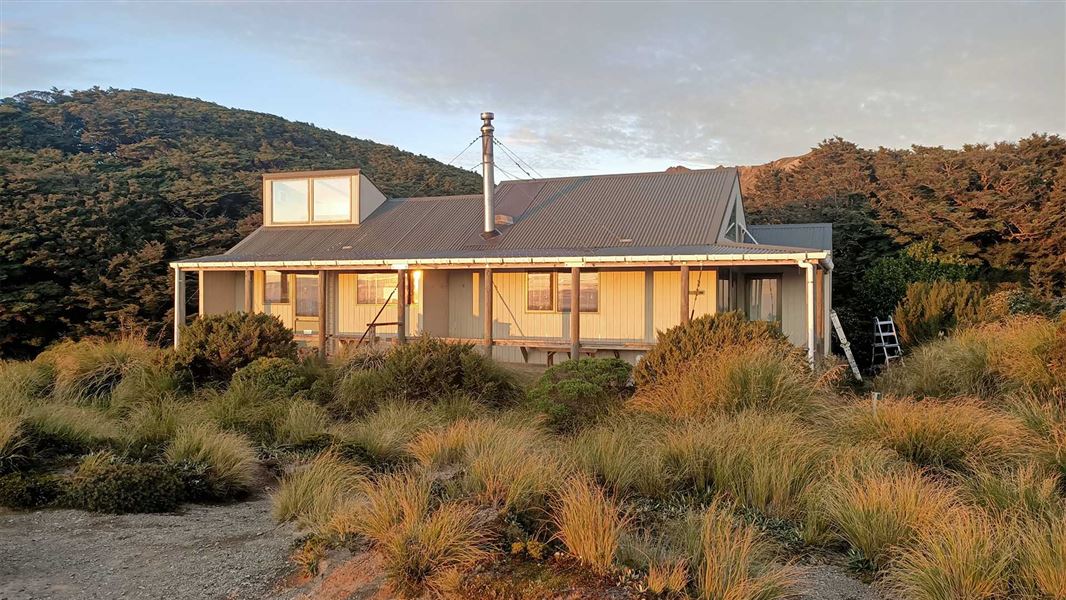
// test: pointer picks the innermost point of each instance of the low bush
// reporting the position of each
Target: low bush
(764, 461)
(214, 347)
(227, 460)
(127, 488)
(66, 429)
(933, 309)
(679, 345)
(625, 455)
(30, 490)
(950, 435)
(590, 524)
(965, 557)
(311, 494)
(576, 393)
(276, 377)
(733, 561)
(304, 424)
(382, 437)
(1042, 558)
(359, 392)
(878, 514)
(748, 376)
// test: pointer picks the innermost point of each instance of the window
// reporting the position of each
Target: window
(289, 199)
(376, 288)
(333, 199)
(589, 296)
(724, 293)
(276, 287)
(764, 298)
(539, 291)
(307, 296)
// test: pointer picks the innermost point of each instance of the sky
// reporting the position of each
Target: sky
(576, 88)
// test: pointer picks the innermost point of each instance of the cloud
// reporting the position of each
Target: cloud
(32, 57)
(701, 84)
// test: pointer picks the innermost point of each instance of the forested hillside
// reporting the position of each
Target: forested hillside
(100, 189)
(994, 213)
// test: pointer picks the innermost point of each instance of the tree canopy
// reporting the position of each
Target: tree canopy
(100, 189)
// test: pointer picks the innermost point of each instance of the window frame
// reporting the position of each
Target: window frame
(779, 277)
(391, 302)
(296, 296)
(285, 291)
(551, 292)
(558, 304)
(310, 196)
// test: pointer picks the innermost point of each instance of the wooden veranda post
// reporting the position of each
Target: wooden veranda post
(179, 304)
(575, 313)
(401, 306)
(486, 309)
(248, 304)
(684, 295)
(322, 313)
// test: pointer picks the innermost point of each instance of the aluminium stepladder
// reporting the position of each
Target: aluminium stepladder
(886, 342)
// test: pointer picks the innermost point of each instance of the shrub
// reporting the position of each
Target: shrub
(90, 369)
(312, 493)
(1042, 558)
(359, 392)
(965, 557)
(29, 490)
(764, 461)
(877, 514)
(577, 392)
(214, 347)
(487, 381)
(753, 375)
(589, 524)
(932, 309)
(127, 488)
(733, 561)
(276, 377)
(625, 455)
(678, 345)
(227, 460)
(304, 424)
(948, 435)
(382, 437)
(425, 368)
(61, 429)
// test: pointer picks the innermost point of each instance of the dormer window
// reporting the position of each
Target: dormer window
(290, 201)
(332, 198)
(312, 200)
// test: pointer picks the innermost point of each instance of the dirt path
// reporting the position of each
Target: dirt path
(230, 551)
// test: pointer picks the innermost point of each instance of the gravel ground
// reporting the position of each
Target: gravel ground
(229, 551)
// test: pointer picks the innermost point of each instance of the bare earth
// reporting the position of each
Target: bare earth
(230, 551)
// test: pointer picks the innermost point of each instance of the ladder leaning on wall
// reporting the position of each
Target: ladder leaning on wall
(886, 342)
(845, 344)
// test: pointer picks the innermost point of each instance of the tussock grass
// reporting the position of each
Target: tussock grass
(1042, 558)
(1022, 492)
(248, 409)
(228, 458)
(1045, 415)
(949, 435)
(88, 370)
(733, 561)
(149, 426)
(12, 442)
(967, 556)
(765, 376)
(70, 428)
(312, 494)
(303, 423)
(625, 455)
(22, 382)
(144, 383)
(392, 500)
(590, 524)
(383, 436)
(877, 514)
(668, 579)
(764, 461)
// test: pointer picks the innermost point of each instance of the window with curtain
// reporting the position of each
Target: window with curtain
(539, 291)
(589, 296)
(332, 199)
(289, 201)
(724, 293)
(307, 296)
(275, 287)
(375, 288)
(764, 298)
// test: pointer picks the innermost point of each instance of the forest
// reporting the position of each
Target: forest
(102, 188)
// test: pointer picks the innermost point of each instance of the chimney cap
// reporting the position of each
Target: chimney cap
(487, 116)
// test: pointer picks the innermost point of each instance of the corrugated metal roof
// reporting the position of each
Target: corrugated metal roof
(803, 235)
(602, 215)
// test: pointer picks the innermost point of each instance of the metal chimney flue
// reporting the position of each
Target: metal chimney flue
(487, 174)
